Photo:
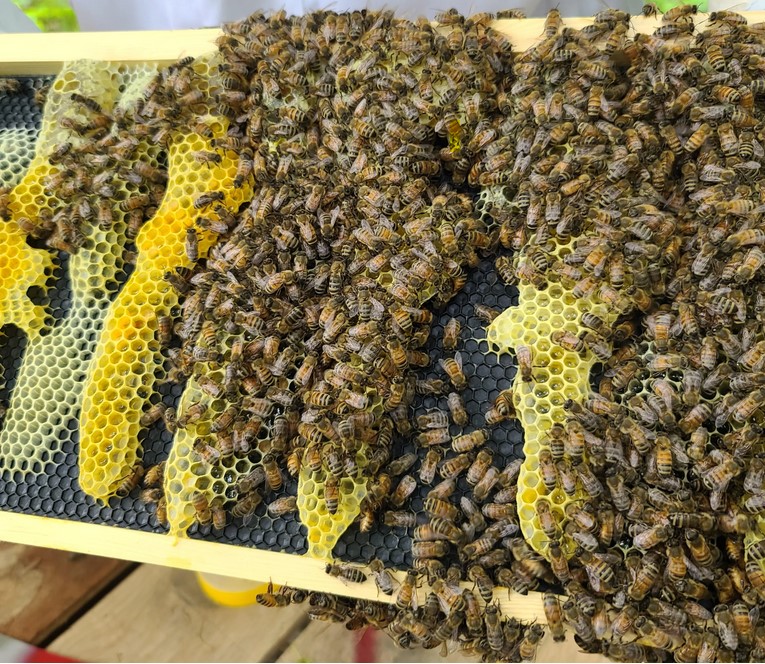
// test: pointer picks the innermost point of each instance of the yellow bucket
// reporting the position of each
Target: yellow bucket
(228, 591)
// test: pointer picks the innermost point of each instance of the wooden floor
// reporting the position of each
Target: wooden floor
(96, 609)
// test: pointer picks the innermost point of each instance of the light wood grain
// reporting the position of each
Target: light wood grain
(41, 589)
(158, 614)
(44, 53)
(215, 558)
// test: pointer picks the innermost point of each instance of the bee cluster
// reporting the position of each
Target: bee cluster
(623, 174)
(642, 194)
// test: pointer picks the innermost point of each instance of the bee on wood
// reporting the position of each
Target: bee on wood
(383, 577)
(345, 572)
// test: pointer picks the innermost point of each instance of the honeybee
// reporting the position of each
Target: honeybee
(430, 465)
(383, 577)
(332, 493)
(451, 334)
(470, 441)
(345, 572)
(192, 415)
(208, 199)
(282, 506)
(404, 489)
(407, 595)
(202, 508)
(153, 414)
(435, 549)
(433, 437)
(206, 452)
(130, 481)
(453, 369)
(457, 409)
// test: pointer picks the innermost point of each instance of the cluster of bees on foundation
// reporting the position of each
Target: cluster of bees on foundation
(367, 137)
(642, 156)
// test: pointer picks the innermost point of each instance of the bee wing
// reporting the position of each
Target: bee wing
(458, 359)
(247, 518)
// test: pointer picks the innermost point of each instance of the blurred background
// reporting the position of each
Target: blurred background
(69, 15)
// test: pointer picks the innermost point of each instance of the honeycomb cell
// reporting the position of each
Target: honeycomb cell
(566, 376)
(55, 358)
(325, 528)
(145, 298)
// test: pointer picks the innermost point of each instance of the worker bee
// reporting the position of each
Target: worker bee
(383, 577)
(470, 441)
(430, 465)
(407, 595)
(130, 481)
(527, 649)
(457, 409)
(202, 508)
(282, 506)
(453, 369)
(153, 414)
(208, 199)
(346, 572)
(451, 334)
(274, 477)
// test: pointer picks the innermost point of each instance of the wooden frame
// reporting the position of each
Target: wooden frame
(213, 557)
(37, 54)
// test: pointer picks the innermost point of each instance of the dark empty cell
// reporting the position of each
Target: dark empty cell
(471, 346)
(256, 537)
(21, 489)
(340, 548)
(396, 557)
(265, 523)
(283, 540)
(69, 508)
(34, 504)
(376, 539)
(24, 503)
(366, 553)
(297, 542)
(353, 550)
(391, 540)
(46, 506)
(269, 538)
(278, 525)
(142, 518)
